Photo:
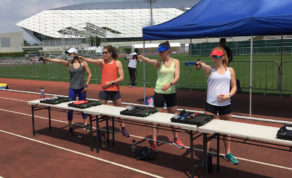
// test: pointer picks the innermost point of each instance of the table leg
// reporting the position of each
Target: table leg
(107, 131)
(32, 119)
(192, 153)
(218, 148)
(50, 126)
(97, 133)
(205, 155)
(90, 133)
(113, 131)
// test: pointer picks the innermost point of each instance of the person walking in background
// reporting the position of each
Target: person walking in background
(230, 59)
(168, 72)
(78, 86)
(111, 75)
(220, 78)
(132, 67)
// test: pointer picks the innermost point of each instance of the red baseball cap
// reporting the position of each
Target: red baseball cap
(217, 52)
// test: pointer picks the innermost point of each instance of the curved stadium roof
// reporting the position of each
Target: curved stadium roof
(120, 19)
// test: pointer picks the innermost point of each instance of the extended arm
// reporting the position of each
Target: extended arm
(60, 61)
(206, 68)
(98, 62)
(152, 62)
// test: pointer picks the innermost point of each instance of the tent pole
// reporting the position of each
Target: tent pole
(190, 47)
(250, 76)
(144, 73)
(281, 64)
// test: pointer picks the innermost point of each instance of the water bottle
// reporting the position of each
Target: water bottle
(133, 146)
(42, 93)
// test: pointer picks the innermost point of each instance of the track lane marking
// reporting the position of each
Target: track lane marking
(81, 154)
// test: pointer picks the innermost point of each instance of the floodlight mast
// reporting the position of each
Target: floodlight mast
(151, 12)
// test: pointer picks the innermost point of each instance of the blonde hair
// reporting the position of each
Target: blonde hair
(225, 60)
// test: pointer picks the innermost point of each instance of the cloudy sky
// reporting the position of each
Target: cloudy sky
(13, 11)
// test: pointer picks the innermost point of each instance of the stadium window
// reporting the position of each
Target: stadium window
(5, 42)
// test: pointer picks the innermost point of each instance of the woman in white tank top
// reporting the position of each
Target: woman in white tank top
(220, 78)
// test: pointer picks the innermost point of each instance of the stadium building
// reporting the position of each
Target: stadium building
(11, 42)
(90, 23)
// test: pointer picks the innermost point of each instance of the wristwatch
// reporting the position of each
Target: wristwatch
(113, 82)
(171, 84)
(86, 85)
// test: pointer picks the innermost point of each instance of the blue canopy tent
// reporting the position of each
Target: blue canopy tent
(223, 18)
(217, 18)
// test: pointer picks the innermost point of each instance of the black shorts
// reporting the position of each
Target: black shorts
(109, 95)
(160, 99)
(222, 110)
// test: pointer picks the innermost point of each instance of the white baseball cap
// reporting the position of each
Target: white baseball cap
(71, 51)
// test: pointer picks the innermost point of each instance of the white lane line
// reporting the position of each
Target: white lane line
(82, 154)
(13, 100)
(170, 143)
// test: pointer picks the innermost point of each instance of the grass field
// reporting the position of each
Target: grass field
(265, 73)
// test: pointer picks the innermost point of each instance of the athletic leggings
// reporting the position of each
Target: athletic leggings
(81, 96)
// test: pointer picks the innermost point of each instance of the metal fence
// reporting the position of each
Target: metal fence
(266, 74)
(261, 47)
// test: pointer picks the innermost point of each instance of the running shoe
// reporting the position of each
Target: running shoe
(231, 158)
(154, 147)
(177, 142)
(86, 127)
(125, 132)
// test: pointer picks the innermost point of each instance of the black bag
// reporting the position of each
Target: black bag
(145, 153)
(192, 118)
(139, 111)
(85, 105)
(55, 100)
(285, 132)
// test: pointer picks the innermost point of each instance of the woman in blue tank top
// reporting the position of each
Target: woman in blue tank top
(78, 86)
(220, 78)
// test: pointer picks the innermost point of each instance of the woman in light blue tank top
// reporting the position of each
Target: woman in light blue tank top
(78, 86)
(220, 78)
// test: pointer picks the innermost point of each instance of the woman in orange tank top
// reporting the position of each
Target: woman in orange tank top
(111, 75)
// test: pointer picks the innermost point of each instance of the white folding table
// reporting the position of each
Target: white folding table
(246, 131)
(158, 118)
(37, 105)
